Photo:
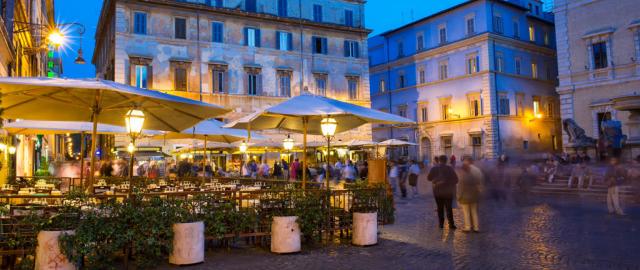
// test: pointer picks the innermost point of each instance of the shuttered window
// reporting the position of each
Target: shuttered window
(140, 23)
(217, 32)
(180, 28)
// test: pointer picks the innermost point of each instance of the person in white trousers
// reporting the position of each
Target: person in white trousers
(580, 172)
(469, 189)
(615, 176)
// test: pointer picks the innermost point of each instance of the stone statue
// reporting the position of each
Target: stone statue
(612, 131)
(577, 135)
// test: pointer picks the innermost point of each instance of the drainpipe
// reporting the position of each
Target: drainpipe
(301, 47)
(495, 83)
(388, 84)
(199, 61)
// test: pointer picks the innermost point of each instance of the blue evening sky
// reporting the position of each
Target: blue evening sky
(381, 15)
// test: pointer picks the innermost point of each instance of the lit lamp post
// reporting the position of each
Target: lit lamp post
(328, 126)
(134, 120)
(287, 144)
(243, 149)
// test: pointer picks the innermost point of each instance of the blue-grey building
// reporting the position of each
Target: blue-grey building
(478, 78)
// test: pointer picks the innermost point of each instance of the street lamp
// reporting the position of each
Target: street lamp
(243, 147)
(134, 120)
(12, 150)
(287, 143)
(328, 126)
(56, 38)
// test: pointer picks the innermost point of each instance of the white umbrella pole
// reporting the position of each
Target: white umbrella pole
(305, 123)
(82, 146)
(94, 134)
(204, 157)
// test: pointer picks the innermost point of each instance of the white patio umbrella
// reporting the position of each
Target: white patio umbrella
(357, 143)
(99, 101)
(304, 114)
(209, 130)
(32, 127)
(395, 142)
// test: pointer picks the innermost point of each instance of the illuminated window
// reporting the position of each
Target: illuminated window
(532, 33)
(534, 70)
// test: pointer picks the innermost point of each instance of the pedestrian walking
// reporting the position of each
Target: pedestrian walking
(393, 176)
(444, 181)
(469, 189)
(285, 170)
(294, 169)
(453, 161)
(349, 172)
(414, 172)
(615, 176)
(402, 178)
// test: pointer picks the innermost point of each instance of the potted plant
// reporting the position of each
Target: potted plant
(188, 232)
(365, 216)
(311, 213)
(51, 227)
(285, 230)
(98, 237)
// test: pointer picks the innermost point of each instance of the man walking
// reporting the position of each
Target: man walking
(444, 180)
(615, 176)
(414, 172)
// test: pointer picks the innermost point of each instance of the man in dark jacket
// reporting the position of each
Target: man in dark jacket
(444, 181)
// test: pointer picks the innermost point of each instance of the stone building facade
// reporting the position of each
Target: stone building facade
(598, 51)
(241, 54)
(23, 53)
(479, 79)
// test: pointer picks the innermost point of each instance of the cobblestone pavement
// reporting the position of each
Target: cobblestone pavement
(544, 233)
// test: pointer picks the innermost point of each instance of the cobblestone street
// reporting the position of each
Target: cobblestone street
(545, 233)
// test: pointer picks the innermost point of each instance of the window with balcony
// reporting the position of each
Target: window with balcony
(499, 62)
(141, 76)
(140, 23)
(252, 84)
(445, 110)
(219, 78)
(536, 106)
(141, 72)
(180, 28)
(475, 105)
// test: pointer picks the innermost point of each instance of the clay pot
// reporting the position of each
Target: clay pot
(285, 235)
(365, 229)
(188, 243)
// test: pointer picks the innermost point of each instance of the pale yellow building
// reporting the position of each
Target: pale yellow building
(598, 43)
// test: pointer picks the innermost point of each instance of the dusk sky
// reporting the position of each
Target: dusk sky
(380, 17)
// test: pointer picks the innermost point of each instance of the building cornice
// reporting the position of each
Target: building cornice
(256, 16)
(470, 41)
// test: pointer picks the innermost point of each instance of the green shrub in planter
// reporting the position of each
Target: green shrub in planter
(308, 206)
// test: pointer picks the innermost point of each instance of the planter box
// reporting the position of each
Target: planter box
(285, 235)
(188, 243)
(48, 253)
(365, 229)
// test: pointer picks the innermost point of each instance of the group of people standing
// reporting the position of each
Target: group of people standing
(400, 173)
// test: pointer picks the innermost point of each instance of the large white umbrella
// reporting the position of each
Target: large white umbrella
(209, 130)
(357, 143)
(29, 127)
(99, 101)
(395, 142)
(305, 112)
(32, 127)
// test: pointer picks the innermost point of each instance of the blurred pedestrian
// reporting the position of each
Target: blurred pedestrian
(393, 176)
(580, 172)
(469, 189)
(444, 180)
(615, 176)
(294, 169)
(285, 169)
(402, 177)
(414, 173)
(349, 172)
(277, 170)
(453, 161)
